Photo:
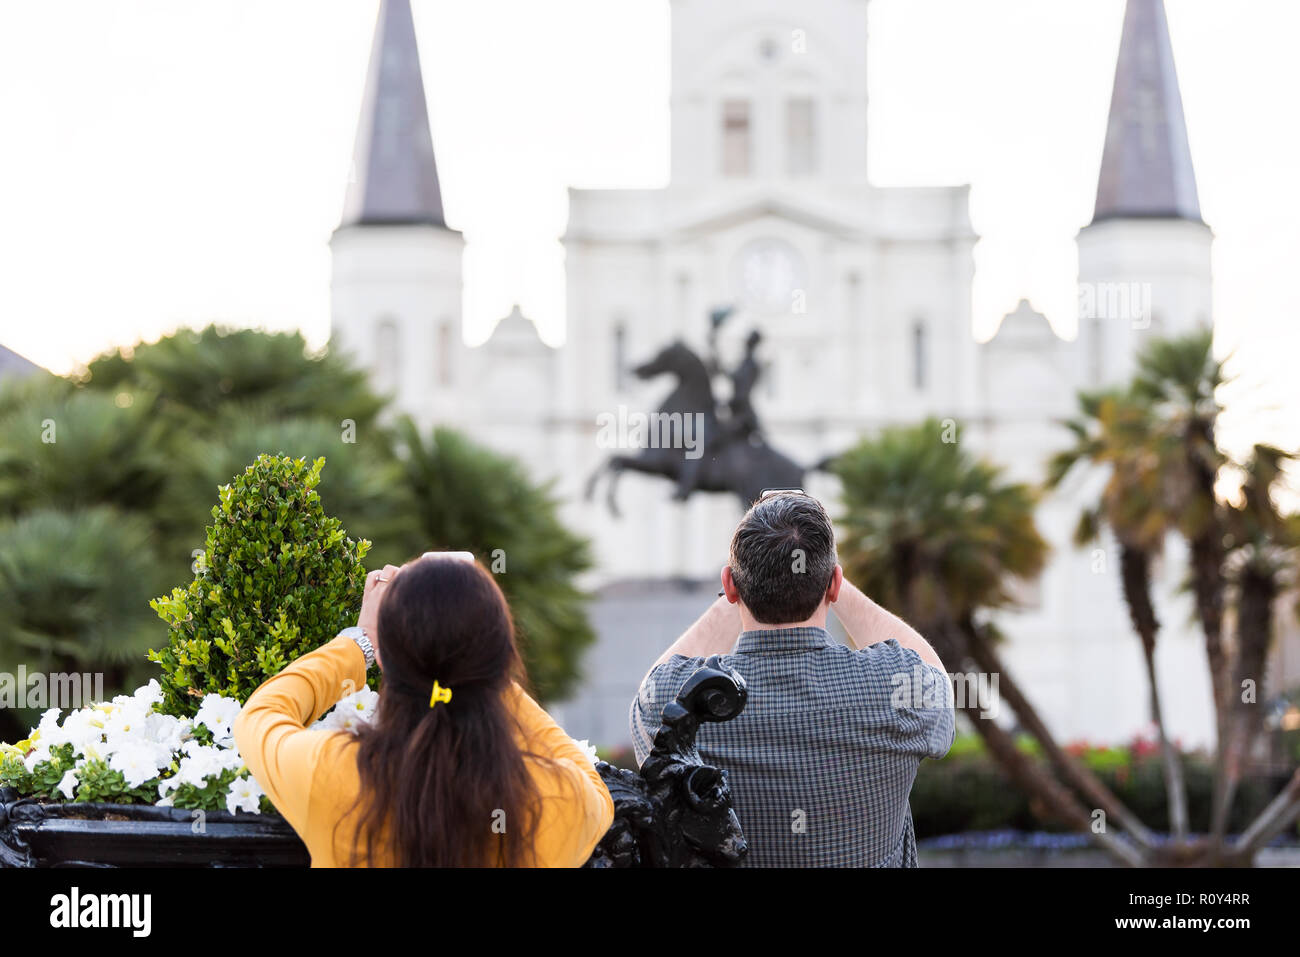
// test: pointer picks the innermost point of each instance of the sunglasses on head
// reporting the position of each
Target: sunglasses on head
(769, 492)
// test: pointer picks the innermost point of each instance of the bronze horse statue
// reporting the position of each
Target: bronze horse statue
(734, 456)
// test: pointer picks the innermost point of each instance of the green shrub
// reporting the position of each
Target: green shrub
(969, 792)
(97, 782)
(277, 578)
(473, 498)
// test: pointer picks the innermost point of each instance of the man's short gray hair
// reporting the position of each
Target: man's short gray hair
(783, 558)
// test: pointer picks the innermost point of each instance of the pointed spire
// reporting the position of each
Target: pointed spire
(1146, 167)
(396, 178)
(12, 365)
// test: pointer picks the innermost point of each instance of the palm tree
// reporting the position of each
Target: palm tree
(939, 538)
(197, 374)
(466, 497)
(133, 448)
(363, 487)
(1262, 563)
(1158, 439)
(1178, 379)
(70, 587)
(1115, 432)
(64, 447)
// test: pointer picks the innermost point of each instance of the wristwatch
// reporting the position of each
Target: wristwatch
(359, 635)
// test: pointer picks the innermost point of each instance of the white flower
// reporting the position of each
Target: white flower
(245, 795)
(138, 763)
(139, 742)
(149, 695)
(125, 724)
(92, 751)
(48, 732)
(165, 730)
(588, 749)
(49, 721)
(218, 715)
(35, 756)
(198, 763)
(351, 712)
(195, 768)
(68, 784)
(84, 729)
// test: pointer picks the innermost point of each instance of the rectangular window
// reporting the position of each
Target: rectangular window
(800, 137)
(735, 138)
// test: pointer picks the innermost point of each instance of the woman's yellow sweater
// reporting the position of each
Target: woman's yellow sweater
(311, 776)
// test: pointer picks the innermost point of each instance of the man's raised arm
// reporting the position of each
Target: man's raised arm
(867, 623)
(714, 633)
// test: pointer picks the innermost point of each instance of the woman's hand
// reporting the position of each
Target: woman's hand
(377, 583)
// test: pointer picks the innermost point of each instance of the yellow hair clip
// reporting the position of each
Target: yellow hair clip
(439, 694)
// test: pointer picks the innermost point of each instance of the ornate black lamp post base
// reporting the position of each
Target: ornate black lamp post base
(677, 812)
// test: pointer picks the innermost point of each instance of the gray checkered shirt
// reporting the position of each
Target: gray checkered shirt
(822, 759)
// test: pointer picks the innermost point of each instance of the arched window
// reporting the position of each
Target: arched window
(920, 355)
(735, 138)
(388, 355)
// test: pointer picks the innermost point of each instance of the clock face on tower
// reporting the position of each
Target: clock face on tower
(768, 271)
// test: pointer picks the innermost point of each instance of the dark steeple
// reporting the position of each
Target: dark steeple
(396, 176)
(1146, 167)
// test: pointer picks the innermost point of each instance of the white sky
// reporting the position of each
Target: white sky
(181, 161)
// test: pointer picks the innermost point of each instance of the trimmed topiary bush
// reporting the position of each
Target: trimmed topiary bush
(278, 578)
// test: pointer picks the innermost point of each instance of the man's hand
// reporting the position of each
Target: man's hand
(377, 583)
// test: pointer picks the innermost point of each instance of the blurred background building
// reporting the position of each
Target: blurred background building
(863, 296)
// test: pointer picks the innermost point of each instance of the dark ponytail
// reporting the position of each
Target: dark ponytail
(445, 786)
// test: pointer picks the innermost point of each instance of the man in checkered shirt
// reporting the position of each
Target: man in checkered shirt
(822, 759)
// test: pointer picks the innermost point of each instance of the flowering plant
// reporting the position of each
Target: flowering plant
(277, 579)
(272, 556)
(126, 752)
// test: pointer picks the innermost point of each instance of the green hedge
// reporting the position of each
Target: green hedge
(967, 791)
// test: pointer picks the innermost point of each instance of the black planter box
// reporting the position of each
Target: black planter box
(675, 812)
(120, 835)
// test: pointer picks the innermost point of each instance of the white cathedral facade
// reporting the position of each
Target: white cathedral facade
(863, 298)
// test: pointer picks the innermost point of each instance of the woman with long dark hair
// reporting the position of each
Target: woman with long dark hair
(460, 767)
